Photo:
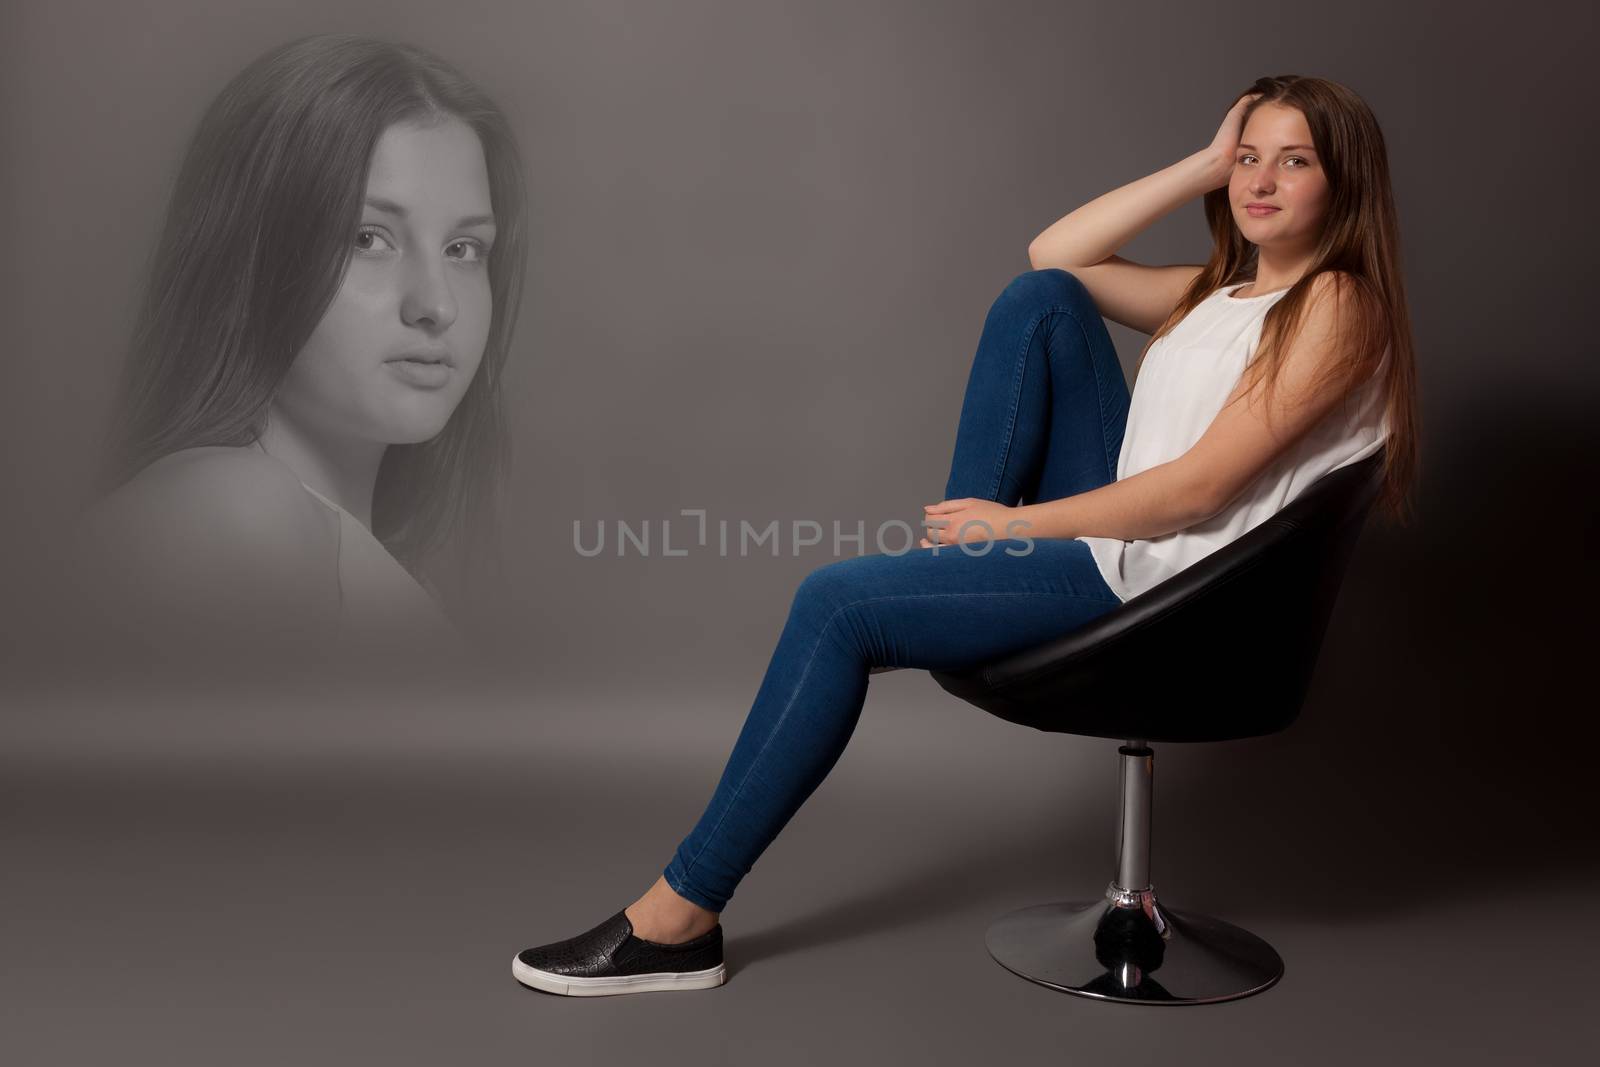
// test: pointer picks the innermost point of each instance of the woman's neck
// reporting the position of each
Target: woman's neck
(343, 469)
(1278, 270)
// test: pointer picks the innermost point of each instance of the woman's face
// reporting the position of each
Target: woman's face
(397, 348)
(1276, 164)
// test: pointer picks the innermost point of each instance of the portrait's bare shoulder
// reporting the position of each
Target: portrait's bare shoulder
(218, 525)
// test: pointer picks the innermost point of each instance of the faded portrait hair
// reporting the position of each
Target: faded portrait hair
(1359, 248)
(257, 237)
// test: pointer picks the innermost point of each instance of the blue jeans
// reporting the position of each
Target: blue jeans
(1042, 419)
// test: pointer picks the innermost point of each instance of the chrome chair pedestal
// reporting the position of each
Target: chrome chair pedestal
(1135, 952)
(1128, 947)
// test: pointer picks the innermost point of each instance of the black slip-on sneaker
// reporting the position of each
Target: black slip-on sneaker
(609, 960)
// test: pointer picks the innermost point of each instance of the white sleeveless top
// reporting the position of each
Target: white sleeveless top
(1184, 381)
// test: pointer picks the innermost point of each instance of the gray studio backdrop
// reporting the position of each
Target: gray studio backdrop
(765, 238)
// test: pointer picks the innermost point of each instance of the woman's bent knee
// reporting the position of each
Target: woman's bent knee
(1043, 290)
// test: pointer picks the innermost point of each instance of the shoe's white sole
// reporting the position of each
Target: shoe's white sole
(574, 986)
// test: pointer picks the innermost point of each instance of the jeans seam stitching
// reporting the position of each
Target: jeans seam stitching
(1099, 391)
(1018, 377)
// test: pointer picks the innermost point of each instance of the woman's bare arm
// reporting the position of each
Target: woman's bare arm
(1099, 228)
(1085, 241)
(1160, 500)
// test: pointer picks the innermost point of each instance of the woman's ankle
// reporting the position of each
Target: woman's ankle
(661, 915)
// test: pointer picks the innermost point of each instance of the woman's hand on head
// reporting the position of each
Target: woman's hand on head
(1225, 145)
(952, 522)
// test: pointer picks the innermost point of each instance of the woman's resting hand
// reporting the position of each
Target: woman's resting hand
(951, 522)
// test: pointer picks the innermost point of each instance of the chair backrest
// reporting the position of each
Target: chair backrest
(1225, 648)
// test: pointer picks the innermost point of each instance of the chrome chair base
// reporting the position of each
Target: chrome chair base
(1129, 948)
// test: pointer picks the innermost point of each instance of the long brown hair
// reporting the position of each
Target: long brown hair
(257, 236)
(1360, 241)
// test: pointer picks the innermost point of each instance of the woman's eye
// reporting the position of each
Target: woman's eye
(369, 240)
(468, 251)
(1299, 159)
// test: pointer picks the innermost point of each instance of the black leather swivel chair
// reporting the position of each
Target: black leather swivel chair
(1224, 649)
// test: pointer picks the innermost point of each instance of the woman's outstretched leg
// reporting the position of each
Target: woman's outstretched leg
(1042, 418)
(932, 609)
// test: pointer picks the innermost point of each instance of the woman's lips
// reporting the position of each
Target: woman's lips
(1259, 211)
(420, 374)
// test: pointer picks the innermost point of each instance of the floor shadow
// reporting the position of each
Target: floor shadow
(989, 873)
